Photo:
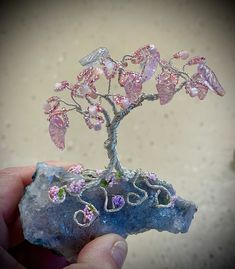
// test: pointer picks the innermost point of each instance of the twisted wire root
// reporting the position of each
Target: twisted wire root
(160, 188)
(141, 197)
(106, 203)
(80, 211)
(140, 200)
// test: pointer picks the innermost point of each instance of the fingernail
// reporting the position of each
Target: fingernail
(119, 251)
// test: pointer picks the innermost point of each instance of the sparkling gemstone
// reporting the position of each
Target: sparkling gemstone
(84, 88)
(94, 57)
(97, 126)
(125, 103)
(93, 110)
(47, 107)
(118, 201)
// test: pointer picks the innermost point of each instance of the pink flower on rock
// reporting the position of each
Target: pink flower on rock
(111, 180)
(76, 186)
(88, 214)
(118, 201)
(152, 176)
(98, 172)
(56, 194)
(76, 169)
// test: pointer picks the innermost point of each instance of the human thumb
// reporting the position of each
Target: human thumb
(105, 252)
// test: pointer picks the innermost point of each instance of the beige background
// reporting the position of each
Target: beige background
(187, 142)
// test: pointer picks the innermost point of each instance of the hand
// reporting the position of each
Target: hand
(106, 252)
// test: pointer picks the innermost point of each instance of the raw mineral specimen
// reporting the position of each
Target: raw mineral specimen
(64, 210)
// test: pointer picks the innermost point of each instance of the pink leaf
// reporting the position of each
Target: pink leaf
(196, 60)
(211, 79)
(148, 57)
(133, 86)
(165, 92)
(57, 130)
(183, 55)
(165, 86)
(110, 68)
(60, 86)
(196, 86)
(151, 63)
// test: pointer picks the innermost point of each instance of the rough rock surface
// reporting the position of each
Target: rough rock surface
(149, 204)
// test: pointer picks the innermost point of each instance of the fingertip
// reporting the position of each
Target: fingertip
(108, 251)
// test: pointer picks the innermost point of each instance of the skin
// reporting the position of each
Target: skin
(108, 251)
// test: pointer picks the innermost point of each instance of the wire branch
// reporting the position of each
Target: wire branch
(104, 112)
(110, 101)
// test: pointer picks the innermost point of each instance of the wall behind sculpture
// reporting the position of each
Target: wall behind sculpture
(187, 142)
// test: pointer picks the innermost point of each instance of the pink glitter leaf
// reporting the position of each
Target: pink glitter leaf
(148, 57)
(57, 130)
(165, 86)
(60, 86)
(212, 82)
(196, 86)
(86, 79)
(196, 89)
(133, 86)
(110, 68)
(151, 63)
(196, 60)
(183, 55)
(165, 92)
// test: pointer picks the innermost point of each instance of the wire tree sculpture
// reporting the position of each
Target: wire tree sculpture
(99, 63)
